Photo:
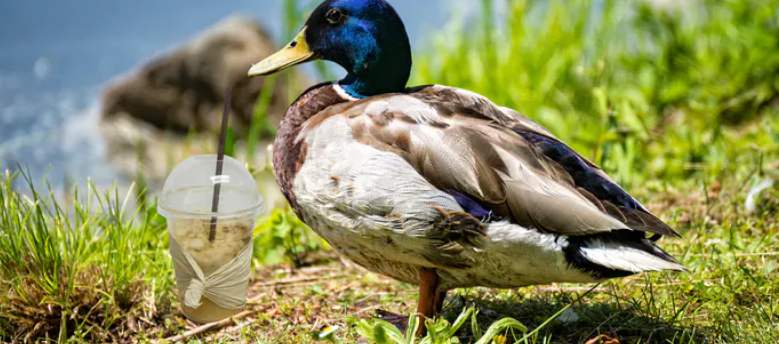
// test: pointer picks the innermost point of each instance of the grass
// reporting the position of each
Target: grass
(78, 268)
(645, 93)
(680, 106)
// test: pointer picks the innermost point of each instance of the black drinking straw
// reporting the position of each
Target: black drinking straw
(220, 157)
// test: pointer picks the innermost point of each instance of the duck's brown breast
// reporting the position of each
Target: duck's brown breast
(289, 153)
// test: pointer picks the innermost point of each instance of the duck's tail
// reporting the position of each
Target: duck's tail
(618, 254)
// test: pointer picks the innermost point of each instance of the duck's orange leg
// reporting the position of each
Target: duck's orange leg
(428, 300)
(431, 302)
(440, 295)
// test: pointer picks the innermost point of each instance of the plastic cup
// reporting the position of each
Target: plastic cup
(186, 202)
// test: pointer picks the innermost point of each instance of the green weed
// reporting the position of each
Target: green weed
(283, 237)
(439, 331)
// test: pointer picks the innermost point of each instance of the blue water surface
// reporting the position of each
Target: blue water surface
(56, 56)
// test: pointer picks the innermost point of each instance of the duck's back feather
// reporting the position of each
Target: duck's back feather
(507, 163)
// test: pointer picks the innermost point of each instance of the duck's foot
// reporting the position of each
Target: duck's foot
(397, 320)
(431, 302)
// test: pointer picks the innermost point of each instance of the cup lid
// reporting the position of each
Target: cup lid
(189, 190)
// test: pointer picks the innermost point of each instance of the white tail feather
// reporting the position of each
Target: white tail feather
(617, 256)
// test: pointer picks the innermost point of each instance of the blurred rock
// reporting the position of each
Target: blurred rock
(184, 90)
(149, 115)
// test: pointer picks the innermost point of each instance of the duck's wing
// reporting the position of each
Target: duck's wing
(495, 162)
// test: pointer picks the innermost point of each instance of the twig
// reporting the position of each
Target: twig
(347, 263)
(367, 309)
(311, 269)
(345, 288)
(217, 325)
(383, 293)
(298, 285)
(235, 329)
(298, 280)
(257, 297)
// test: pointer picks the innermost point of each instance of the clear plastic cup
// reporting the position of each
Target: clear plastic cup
(186, 202)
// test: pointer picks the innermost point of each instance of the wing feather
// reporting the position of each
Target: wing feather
(462, 142)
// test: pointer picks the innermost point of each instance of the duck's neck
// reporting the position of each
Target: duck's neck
(391, 79)
(388, 73)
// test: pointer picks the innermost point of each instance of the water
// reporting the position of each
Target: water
(56, 56)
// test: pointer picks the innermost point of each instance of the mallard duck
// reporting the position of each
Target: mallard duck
(438, 186)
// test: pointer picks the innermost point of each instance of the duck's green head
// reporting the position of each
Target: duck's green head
(365, 37)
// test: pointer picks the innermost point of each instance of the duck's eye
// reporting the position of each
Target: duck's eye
(335, 16)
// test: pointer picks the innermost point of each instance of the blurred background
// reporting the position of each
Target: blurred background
(95, 89)
(57, 58)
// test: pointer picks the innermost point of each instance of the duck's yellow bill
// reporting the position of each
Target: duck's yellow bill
(296, 52)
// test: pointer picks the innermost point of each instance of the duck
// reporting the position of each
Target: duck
(437, 186)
